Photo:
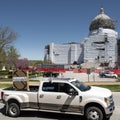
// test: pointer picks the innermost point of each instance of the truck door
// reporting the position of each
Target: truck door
(48, 96)
(70, 99)
(59, 96)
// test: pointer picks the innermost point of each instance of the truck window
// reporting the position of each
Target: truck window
(53, 87)
(34, 88)
(69, 89)
(57, 87)
(81, 86)
(50, 87)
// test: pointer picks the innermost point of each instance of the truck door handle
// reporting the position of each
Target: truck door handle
(41, 96)
(59, 96)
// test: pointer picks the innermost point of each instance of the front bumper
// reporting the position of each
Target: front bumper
(109, 110)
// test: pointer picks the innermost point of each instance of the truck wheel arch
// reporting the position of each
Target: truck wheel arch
(12, 105)
(97, 105)
(13, 101)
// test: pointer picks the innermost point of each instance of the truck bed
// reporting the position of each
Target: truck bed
(32, 88)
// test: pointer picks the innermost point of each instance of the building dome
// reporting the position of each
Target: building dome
(102, 21)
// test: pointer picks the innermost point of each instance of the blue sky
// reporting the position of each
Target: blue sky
(40, 22)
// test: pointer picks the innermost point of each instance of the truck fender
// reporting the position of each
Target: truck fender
(95, 101)
(18, 97)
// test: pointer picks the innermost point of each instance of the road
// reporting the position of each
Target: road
(30, 115)
(116, 114)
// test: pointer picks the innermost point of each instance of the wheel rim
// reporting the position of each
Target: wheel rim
(13, 110)
(93, 115)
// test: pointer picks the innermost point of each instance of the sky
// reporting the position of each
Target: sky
(41, 22)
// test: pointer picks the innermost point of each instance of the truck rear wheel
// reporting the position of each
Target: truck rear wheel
(13, 110)
(94, 113)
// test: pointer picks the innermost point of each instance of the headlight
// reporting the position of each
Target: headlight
(108, 100)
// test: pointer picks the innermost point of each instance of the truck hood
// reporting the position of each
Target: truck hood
(99, 91)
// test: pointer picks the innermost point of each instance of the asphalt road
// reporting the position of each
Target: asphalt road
(30, 115)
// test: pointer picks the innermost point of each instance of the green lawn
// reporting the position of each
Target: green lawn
(5, 85)
(111, 87)
(6, 80)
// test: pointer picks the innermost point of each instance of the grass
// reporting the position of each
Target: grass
(6, 80)
(5, 85)
(111, 87)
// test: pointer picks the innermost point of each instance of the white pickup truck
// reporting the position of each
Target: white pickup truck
(68, 96)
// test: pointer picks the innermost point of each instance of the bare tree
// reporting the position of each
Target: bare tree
(7, 36)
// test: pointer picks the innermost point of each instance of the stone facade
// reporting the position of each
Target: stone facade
(64, 53)
(101, 46)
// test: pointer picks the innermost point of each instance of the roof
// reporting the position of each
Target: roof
(60, 79)
(102, 21)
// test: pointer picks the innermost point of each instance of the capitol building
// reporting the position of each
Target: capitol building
(99, 46)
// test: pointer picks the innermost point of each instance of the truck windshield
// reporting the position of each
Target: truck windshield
(80, 85)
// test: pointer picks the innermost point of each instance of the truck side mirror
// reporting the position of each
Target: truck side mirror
(72, 92)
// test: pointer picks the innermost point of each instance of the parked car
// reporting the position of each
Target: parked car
(107, 74)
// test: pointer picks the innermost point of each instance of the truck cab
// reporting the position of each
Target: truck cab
(73, 96)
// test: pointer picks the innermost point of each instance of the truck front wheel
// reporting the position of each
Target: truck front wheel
(94, 113)
(13, 110)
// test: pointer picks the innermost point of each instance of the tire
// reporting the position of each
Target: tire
(13, 110)
(114, 77)
(94, 113)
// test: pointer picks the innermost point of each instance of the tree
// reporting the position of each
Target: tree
(7, 36)
(2, 57)
(22, 63)
(12, 52)
(16, 63)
